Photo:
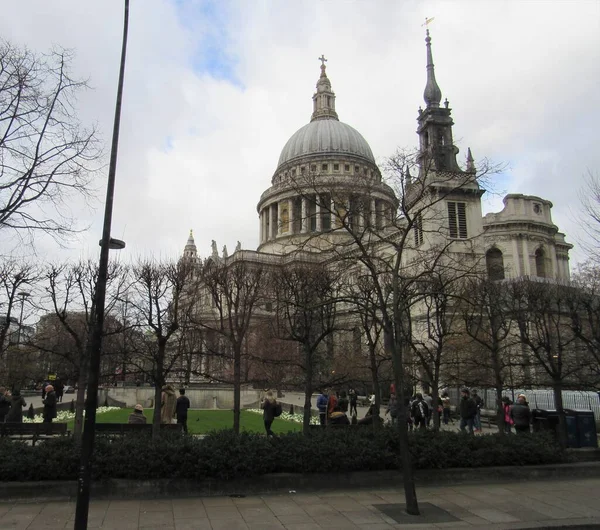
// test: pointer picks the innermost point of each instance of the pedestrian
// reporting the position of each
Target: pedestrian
(168, 402)
(480, 404)
(16, 409)
(419, 412)
(59, 388)
(49, 401)
(270, 411)
(322, 407)
(343, 402)
(446, 407)
(353, 402)
(137, 416)
(429, 400)
(392, 409)
(332, 402)
(181, 409)
(468, 411)
(5, 403)
(508, 421)
(338, 417)
(521, 415)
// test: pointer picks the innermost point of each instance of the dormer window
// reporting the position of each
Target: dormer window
(537, 208)
(336, 167)
(324, 167)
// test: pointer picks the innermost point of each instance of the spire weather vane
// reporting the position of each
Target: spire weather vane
(427, 21)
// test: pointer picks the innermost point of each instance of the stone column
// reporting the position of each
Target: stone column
(273, 213)
(318, 213)
(555, 273)
(278, 218)
(334, 222)
(291, 216)
(526, 259)
(373, 213)
(516, 264)
(304, 216)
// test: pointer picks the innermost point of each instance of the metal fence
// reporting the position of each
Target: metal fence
(539, 399)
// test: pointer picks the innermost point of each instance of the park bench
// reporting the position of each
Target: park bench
(32, 431)
(122, 429)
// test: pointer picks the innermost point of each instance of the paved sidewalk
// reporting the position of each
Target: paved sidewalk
(502, 506)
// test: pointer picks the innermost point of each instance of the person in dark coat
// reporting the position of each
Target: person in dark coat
(181, 409)
(353, 402)
(419, 411)
(343, 402)
(269, 406)
(4, 403)
(137, 416)
(468, 411)
(16, 410)
(59, 388)
(338, 417)
(521, 415)
(49, 404)
(392, 408)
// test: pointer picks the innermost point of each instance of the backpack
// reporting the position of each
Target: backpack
(277, 410)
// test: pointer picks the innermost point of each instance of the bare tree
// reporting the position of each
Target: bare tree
(305, 300)
(63, 333)
(544, 321)
(46, 156)
(489, 322)
(589, 216)
(234, 288)
(15, 277)
(158, 305)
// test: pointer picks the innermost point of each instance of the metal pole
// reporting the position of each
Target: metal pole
(95, 340)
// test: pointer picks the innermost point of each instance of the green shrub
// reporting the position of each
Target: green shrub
(223, 455)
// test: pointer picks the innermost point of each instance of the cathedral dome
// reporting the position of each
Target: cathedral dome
(325, 137)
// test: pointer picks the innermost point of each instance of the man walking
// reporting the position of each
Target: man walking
(49, 401)
(353, 402)
(4, 403)
(468, 411)
(419, 412)
(479, 404)
(181, 409)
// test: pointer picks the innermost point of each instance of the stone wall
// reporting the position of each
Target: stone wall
(200, 398)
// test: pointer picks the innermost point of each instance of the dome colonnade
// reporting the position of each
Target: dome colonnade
(326, 171)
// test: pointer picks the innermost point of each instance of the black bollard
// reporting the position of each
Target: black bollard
(31, 412)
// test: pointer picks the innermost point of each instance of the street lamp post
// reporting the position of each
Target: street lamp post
(22, 295)
(95, 338)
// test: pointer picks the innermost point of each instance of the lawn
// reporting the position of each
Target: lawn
(204, 421)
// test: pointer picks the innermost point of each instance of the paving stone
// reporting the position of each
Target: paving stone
(229, 524)
(217, 501)
(296, 519)
(493, 516)
(223, 512)
(193, 524)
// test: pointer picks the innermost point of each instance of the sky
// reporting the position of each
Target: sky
(214, 89)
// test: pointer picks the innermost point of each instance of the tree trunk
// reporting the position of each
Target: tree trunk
(376, 389)
(499, 407)
(158, 384)
(307, 392)
(237, 372)
(435, 403)
(558, 403)
(80, 404)
(410, 494)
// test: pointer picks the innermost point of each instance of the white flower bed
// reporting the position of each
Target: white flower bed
(296, 418)
(64, 416)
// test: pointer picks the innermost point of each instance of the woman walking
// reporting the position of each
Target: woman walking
(16, 410)
(269, 406)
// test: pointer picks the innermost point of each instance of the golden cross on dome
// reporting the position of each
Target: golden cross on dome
(323, 60)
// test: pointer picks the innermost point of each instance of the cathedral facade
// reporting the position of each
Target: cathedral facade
(327, 188)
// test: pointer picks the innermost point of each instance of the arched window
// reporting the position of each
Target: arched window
(495, 264)
(540, 263)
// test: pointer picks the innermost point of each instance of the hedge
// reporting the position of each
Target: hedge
(223, 455)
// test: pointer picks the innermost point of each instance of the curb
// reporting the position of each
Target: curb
(285, 483)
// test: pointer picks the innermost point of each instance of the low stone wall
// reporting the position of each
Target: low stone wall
(200, 398)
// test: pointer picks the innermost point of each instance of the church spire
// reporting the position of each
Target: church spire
(324, 97)
(432, 94)
(190, 250)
